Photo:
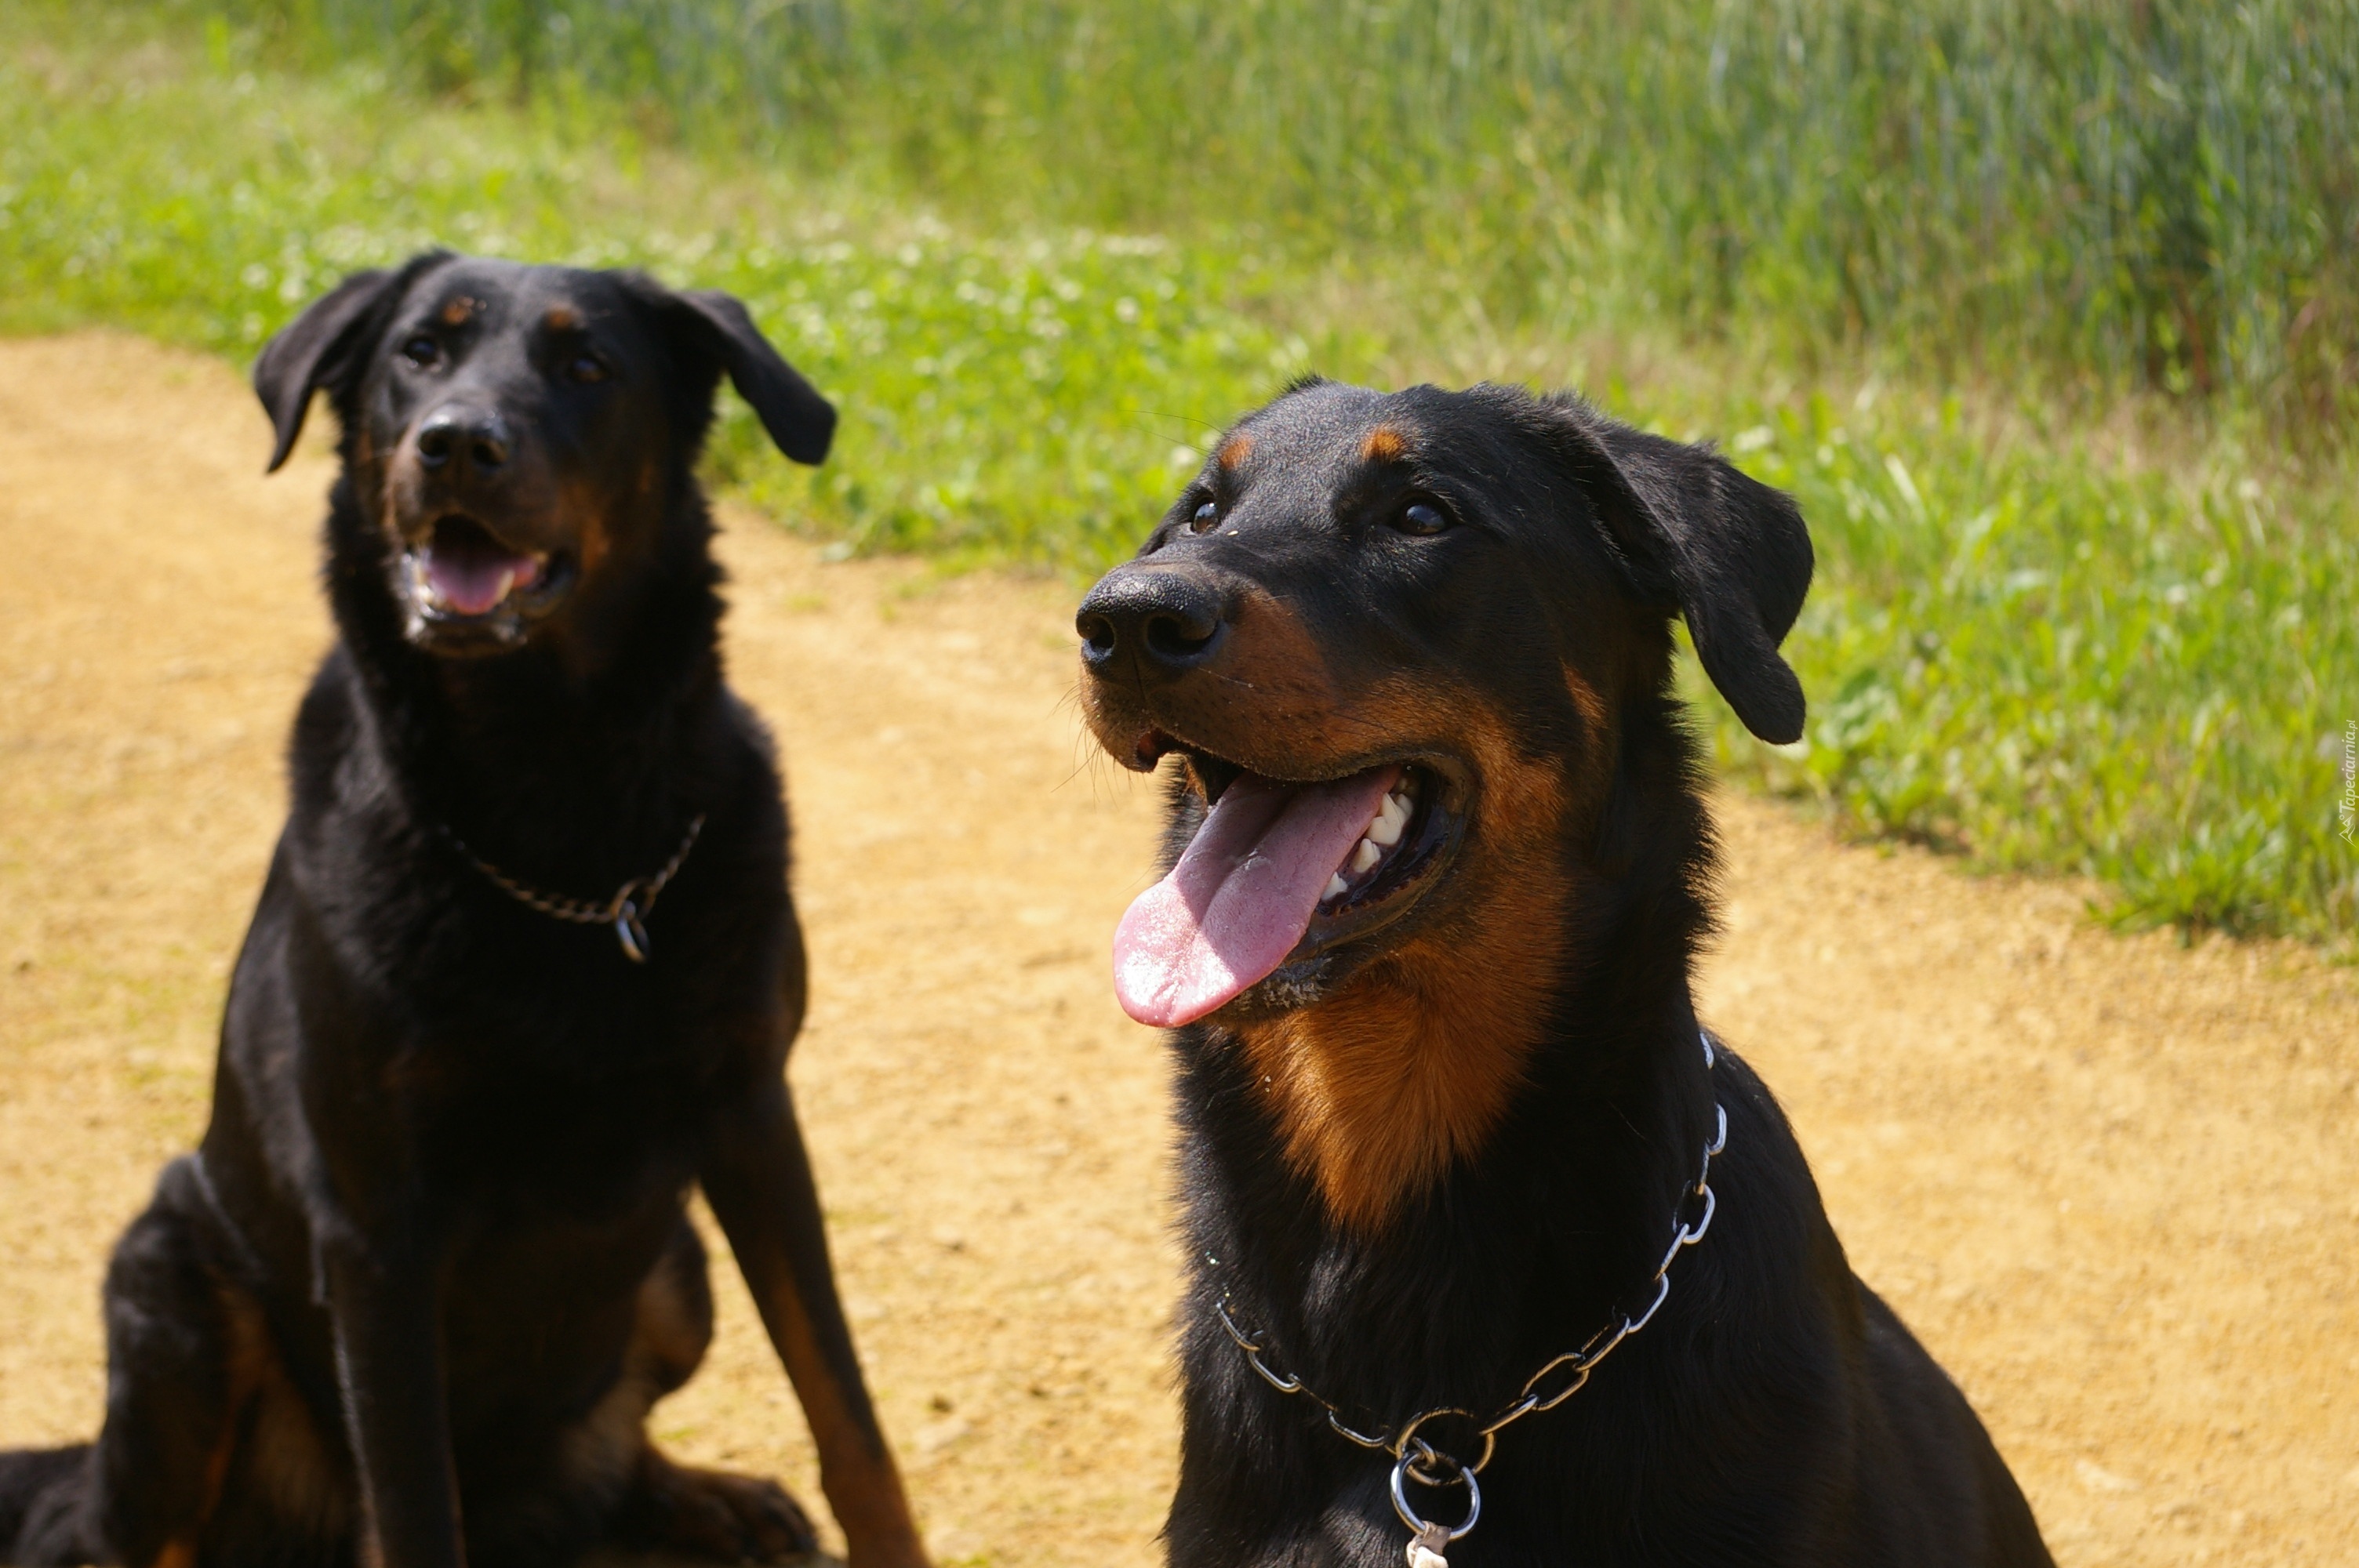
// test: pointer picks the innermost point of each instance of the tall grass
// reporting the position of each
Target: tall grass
(2097, 195)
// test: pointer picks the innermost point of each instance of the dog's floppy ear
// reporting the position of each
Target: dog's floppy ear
(314, 349)
(1726, 551)
(799, 419)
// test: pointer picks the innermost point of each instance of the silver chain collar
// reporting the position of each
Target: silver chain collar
(626, 911)
(1416, 1459)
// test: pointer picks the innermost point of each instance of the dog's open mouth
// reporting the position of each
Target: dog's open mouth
(1277, 870)
(463, 572)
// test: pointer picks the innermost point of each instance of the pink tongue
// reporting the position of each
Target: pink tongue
(1241, 896)
(470, 581)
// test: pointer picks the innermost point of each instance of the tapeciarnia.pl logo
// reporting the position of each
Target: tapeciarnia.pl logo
(2348, 807)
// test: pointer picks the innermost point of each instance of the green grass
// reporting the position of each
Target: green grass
(1029, 396)
(2026, 643)
(2013, 653)
(2102, 194)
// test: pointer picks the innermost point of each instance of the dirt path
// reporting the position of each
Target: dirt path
(2110, 1182)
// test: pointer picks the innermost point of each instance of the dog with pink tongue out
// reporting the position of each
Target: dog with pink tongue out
(1246, 887)
(1496, 1256)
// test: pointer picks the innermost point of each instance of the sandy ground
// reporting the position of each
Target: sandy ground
(2109, 1181)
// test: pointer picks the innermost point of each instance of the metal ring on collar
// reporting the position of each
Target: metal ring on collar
(1420, 1453)
(1408, 1515)
(1283, 1382)
(1376, 1441)
(1662, 1289)
(1220, 1305)
(1691, 1234)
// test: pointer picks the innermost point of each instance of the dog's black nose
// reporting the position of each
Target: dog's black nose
(1168, 620)
(475, 438)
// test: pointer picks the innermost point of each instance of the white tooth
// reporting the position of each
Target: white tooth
(1366, 855)
(1336, 888)
(1396, 807)
(1385, 830)
(507, 581)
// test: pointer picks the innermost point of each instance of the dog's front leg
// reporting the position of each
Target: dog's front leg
(387, 1323)
(759, 1180)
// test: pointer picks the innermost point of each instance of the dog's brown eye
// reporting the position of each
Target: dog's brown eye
(1205, 516)
(421, 351)
(1422, 518)
(586, 368)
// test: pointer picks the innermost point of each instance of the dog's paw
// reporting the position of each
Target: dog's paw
(714, 1516)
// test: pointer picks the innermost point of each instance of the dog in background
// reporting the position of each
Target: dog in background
(525, 970)
(1490, 1242)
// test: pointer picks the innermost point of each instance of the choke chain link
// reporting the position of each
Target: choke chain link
(626, 911)
(1413, 1455)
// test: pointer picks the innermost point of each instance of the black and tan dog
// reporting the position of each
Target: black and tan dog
(1440, 868)
(409, 1303)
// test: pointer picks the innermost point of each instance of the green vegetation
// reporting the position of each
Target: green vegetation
(2162, 193)
(2027, 640)
(2012, 651)
(1020, 396)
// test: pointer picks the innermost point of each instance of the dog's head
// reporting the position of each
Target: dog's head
(516, 434)
(1394, 639)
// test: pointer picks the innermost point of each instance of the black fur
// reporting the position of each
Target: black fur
(431, 1260)
(1774, 1412)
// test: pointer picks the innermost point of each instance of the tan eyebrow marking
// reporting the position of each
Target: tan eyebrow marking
(460, 308)
(1383, 444)
(562, 319)
(1236, 450)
